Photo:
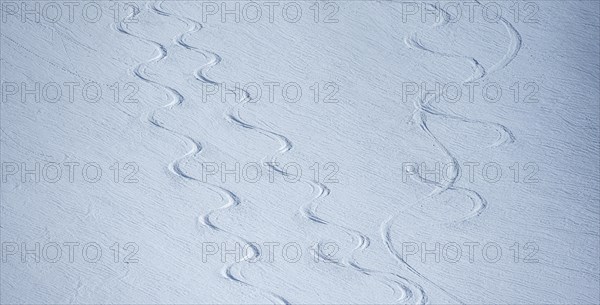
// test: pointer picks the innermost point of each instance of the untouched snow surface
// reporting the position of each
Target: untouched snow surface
(302, 152)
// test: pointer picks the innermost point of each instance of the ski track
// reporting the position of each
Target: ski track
(423, 110)
(394, 281)
(397, 283)
(230, 198)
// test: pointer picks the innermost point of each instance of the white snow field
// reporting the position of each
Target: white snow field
(300, 152)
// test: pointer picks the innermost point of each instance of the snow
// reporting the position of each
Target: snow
(194, 161)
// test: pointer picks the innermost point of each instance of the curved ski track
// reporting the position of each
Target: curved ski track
(230, 198)
(392, 280)
(408, 289)
(309, 210)
(423, 110)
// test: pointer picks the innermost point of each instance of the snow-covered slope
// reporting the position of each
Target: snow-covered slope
(343, 152)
